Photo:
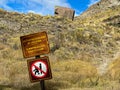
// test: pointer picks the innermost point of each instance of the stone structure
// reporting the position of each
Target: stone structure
(64, 12)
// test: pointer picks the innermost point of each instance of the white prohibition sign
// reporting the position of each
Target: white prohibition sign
(39, 69)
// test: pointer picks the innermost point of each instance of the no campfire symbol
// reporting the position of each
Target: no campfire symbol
(39, 69)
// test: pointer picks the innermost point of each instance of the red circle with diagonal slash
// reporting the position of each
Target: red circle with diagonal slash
(33, 65)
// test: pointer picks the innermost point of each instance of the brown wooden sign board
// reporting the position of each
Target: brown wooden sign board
(35, 44)
(39, 69)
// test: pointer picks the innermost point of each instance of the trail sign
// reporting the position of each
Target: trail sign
(39, 69)
(34, 44)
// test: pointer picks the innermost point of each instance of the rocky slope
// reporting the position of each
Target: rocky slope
(105, 15)
(101, 6)
(94, 36)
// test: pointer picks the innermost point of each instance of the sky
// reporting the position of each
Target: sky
(45, 7)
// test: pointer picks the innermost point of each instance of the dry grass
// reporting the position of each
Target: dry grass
(77, 46)
(67, 75)
(114, 69)
(72, 72)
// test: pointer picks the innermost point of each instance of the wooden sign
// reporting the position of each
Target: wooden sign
(39, 69)
(34, 44)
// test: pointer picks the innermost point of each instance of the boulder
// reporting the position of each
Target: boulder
(64, 12)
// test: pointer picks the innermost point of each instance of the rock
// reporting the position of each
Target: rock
(64, 12)
(100, 6)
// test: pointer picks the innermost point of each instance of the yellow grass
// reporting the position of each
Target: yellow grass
(114, 69)
(67, 74)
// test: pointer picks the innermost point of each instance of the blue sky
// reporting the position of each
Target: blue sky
(45, 7)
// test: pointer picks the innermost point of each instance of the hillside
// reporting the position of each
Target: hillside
(91, 43)
(100, 7)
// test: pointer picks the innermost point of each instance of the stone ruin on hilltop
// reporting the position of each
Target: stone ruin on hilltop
(64, 12)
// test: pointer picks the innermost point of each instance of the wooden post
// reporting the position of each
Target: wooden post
(42, 83)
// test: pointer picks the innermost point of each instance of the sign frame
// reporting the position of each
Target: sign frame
(35, 44)
(43, 59)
